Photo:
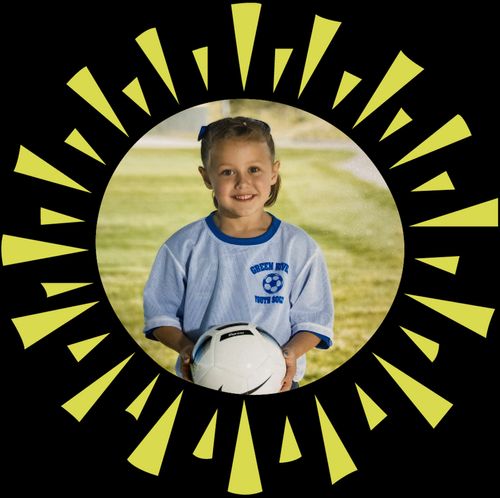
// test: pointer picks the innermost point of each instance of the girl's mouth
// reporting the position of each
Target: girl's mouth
(247, 197)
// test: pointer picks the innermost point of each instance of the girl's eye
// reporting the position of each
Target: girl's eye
(254, 169)
(226, 172)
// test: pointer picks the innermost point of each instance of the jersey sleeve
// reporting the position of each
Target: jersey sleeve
(311, 301)
(164, 293)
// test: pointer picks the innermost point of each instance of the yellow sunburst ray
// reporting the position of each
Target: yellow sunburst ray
(78, 142)
(148, 455)
(134, 92)
(135, 408)
(55, 288)
(281, 56)
(82, 348)
(484, 214)
(17, 250)
(49, 217)
(149, 41)
(346, 86)
(84, 85)
(453, 131)
(33, 328)
(401, 119)
(431, 405)
(80, 404)
(399, 74)
(473, 317)
(245, 21)
(340, 463)
(322, 34)
(439, 182)
(445, 263)
(290, 450)
(245, 477)
(201, 58)
(429, 347)
(373, 413)
(205, 447)
(30, 164)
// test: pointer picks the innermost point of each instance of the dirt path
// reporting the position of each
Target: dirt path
(359, 165)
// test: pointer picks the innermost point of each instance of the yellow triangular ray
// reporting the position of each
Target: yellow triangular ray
(401, 119)
(76, 140)
(201, 58)
(484, 214)
(149, 454)
(245, 477)
(205, 447)
(454, 130)
(245, 20)
(440, 182)
(80, 405)
(31, 165)
(81, 349)
(32, 328)
(374, 414)
(427, 346)
(446, 263)
(322, 34)
(401, 72)
(347, 84)
(55, 288)
(339, 461)
(49, 217)
(281, 56)
(289, 448)
(475, 318)
(135, 408)
(20, 250)
(151, 46)
(134, 92)
(432, 406)
(84, 84)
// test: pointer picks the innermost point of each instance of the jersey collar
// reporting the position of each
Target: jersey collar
(250, 241)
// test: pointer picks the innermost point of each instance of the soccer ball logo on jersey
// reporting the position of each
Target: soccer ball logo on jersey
(272, 283)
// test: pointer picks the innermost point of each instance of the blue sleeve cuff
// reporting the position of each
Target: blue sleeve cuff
(149, 335)
(325, 342)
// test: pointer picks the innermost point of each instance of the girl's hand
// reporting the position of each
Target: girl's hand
(291, 368)
(175, 339)
(297, 346)
(185, 355)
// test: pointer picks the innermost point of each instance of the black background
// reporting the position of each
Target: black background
(45, 449)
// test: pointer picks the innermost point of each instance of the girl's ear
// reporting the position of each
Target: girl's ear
(276, 171)
(204, 175)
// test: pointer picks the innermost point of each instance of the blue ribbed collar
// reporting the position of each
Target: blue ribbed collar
(243, 241)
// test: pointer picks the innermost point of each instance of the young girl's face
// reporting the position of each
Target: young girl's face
(241, 174)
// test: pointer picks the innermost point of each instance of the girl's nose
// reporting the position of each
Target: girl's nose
(241, 180)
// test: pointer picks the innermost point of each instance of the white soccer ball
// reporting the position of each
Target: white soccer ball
(238, 358)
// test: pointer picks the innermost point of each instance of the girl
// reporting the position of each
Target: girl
(240, 263)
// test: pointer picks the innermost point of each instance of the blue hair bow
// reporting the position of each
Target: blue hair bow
(202, 132)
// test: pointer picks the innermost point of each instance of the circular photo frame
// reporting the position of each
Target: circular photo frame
(387, 413)
(156, 190)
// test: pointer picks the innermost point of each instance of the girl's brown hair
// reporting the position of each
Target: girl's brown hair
(243, 128)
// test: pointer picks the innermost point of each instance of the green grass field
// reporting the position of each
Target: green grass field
(154, 192)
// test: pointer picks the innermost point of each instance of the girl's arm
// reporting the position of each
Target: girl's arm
(175, 339)
(298, 345)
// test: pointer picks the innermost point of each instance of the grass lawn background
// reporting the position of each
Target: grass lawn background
(154, 192)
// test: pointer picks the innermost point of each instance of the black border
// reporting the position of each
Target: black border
(44, 447)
